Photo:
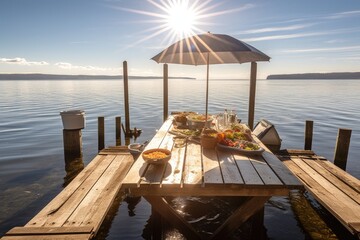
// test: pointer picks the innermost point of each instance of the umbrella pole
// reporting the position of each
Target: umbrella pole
(207, 90)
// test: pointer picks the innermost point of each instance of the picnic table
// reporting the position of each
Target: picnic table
(197, 171)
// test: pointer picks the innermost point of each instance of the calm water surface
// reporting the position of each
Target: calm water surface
(31, 149)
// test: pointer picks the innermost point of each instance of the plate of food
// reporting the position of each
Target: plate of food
(198, 121)
(156, 155)
(241, 146)
(186, 132)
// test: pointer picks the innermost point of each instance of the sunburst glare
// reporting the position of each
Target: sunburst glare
(178, 19)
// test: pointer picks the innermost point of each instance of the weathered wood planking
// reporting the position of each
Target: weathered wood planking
(229, 169)
(192, 172)
(134, 176)
(248, 172)
(336, 190)
(212, 171)
(196, 167)
(78, 211)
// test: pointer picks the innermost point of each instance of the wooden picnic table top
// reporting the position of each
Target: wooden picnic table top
(196, 171)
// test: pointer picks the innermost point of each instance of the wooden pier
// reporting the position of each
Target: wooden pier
(332, 187)
(79, 210)
(328, 182)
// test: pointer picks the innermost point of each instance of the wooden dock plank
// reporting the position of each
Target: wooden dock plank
(78, 211)
(62, 197)
(342, 186)
(350, 180)
(61, 216)
(97, 212)
(344, 208)
(87, 212)
(50, 237)
(60, 208)
(48, 230)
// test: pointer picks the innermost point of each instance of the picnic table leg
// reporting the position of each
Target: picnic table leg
(243, 213)
(166, 211)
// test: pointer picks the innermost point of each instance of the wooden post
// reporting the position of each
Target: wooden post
(166, 92)
(101, 133)
(126, 99)
(308, 134)
(342, 148)
(73, 153)
(118, 131)
(72, 145)
(252, 95)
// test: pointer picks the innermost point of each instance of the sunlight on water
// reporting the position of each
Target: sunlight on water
(31, 159)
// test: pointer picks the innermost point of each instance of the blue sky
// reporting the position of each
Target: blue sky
(96, 36)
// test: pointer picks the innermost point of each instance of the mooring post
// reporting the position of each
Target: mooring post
(73, 122)
(101, 133)
(166, 92)
(118, 131)
(342, 148)
(252, 95)
(308, 134)
(126, 100)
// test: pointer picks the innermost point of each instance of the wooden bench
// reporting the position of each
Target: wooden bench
(79, 209)
(333, 188)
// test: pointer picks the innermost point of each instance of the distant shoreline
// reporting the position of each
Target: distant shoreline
(334, 75)
(39, 76)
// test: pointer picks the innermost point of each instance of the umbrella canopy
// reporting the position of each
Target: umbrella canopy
(206, 49)
(210, 49)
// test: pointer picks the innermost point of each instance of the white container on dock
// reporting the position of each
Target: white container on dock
(268, 135)
(73, 119)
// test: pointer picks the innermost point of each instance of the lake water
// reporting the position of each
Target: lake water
(31, 148)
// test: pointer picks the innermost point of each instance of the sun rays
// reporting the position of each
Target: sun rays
(178, 19)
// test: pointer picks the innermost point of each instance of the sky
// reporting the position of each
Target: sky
(96, 36)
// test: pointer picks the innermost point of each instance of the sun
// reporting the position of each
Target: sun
(173, 20)
(181, 18)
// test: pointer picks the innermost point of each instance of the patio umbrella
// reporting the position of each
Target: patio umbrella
(206, 49)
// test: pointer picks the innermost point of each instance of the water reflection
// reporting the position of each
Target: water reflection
(205, 214)
(72, 168)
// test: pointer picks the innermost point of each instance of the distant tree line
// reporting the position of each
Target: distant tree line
(39, 76)
(335, 75)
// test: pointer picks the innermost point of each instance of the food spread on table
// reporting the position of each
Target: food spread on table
(234, 136)
(238, 138)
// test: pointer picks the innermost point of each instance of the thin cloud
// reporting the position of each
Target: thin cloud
(277, 29)
(69, 66)
(22, 61)
(285, 36)
(343, 14)
(300, 35)
(333, 49)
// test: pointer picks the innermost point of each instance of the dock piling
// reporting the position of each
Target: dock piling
(73, 121)
(101, 133)
(118, 131)
(126, 99)
(342, 148)
(308, 134)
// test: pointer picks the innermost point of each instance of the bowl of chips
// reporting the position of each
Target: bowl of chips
(156, 155)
